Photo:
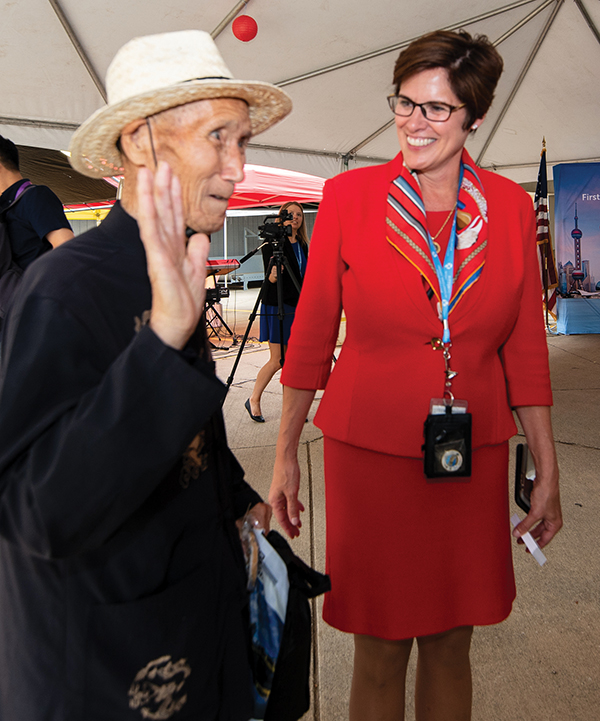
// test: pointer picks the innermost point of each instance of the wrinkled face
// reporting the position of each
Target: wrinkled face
(205, 145)
(296, 221)
(427, 146)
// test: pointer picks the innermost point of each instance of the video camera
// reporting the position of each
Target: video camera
(273, 230)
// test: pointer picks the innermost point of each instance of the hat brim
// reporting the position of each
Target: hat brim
(93, 146)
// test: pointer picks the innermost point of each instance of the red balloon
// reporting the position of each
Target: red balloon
(244, 28)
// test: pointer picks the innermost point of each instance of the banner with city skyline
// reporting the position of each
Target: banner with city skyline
(577, 226)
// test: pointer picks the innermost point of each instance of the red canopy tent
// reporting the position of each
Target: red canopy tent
(261, 186)
(273, 186)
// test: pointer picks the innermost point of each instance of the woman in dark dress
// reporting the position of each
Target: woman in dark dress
(296, 251)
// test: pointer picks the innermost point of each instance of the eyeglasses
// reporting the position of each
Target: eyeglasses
(436, 112)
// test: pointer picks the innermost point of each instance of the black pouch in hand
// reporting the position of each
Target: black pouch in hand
(290, 693)
(447, 445)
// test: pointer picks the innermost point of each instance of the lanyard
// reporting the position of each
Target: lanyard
(298, 253)
(445, 273)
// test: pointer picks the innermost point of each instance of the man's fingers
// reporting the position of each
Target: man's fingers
(167, 195)
(145, 198)
(198, 248)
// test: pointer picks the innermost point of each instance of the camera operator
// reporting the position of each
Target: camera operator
(295, 250)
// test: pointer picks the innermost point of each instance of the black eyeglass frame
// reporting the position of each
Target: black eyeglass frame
(393, 103)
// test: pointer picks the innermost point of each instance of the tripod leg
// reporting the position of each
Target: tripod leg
(279, 262)
(287, 266)
(259, 298)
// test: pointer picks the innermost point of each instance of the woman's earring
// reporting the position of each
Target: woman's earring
(474, 127)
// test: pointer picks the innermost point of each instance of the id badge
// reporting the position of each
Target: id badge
(447, 447)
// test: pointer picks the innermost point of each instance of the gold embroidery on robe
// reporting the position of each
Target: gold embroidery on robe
(195, 460)
(139, 323)
(156, 688)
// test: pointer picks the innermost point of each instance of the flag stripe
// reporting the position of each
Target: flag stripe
(543, 226)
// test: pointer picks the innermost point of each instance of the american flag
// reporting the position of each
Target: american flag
(549, 274)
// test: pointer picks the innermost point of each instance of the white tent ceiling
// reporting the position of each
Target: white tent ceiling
(335, 59)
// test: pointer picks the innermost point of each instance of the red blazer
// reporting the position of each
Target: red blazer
(378, 394)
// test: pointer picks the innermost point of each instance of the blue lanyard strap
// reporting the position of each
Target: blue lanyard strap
(445, 273)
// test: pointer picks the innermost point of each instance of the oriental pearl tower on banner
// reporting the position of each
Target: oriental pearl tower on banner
(577, 274)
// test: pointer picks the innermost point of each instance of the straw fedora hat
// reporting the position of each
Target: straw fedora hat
(156, 72)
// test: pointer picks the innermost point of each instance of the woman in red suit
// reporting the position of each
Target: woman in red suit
(458, 319)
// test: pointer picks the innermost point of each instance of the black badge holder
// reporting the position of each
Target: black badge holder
(447, 430)
(524, 477)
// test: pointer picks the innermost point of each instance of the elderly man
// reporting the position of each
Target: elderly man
(123, 582)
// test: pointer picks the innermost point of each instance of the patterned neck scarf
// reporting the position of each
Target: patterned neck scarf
(407, 229)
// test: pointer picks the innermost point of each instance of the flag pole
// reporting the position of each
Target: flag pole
(543, 234)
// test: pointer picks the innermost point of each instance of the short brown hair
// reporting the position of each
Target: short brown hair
(473, 65)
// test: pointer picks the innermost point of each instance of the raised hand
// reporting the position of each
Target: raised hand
(176, 265)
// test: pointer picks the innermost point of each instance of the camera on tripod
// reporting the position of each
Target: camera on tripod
(273, 230)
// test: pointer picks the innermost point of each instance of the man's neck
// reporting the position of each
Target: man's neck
(8, 178)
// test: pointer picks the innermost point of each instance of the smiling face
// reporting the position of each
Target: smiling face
(205, 145)
(433, 149)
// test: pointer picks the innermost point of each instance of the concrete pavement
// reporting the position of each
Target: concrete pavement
(544, 661)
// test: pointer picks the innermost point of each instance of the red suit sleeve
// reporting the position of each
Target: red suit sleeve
(525, 353)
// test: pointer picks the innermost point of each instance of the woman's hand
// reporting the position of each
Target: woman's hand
(176, 265)
(545, 512)
(545, 497)
(283, 495)
(273, 274)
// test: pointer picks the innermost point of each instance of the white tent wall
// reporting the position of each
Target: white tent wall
(334, 57)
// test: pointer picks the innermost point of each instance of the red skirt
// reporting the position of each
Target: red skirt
(412, 557)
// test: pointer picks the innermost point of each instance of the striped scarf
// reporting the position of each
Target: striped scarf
(407, 229)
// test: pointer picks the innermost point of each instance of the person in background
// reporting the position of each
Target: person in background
(295, 249)
(123, 591)
(459, 321)
(37, 223)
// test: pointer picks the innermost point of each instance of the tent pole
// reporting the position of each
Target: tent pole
(511, 166)
(520, 79)
(79, 48)
(366, 141)
(522, 22)
(228, 18)
(401, 45)
(588, 19)
(34, 123)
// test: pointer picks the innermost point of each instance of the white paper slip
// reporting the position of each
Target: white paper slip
(529, 541)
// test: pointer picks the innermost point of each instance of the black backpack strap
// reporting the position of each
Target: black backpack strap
(10, 272)
(18, 195)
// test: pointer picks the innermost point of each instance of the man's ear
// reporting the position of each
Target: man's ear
(135, 144)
